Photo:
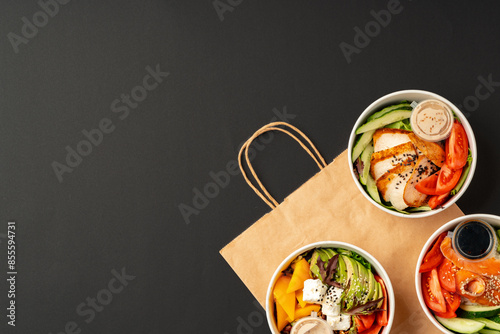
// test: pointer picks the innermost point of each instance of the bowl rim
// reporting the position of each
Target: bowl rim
(379, 269)
(379, 103)
(489, 218)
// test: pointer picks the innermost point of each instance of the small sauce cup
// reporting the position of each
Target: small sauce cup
(311, 325)
(432, 120)
(475, 240)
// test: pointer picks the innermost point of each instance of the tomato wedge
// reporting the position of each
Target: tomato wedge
(428, 185)
(382, 317)
(360, 326)
(367, 319)
(452, 299)
(434, 256)
(447, 179)
(375, 329)
(433, 295)
(452, 304)
(457, 147)
(437, 200)
(446, 274)
(448, 314)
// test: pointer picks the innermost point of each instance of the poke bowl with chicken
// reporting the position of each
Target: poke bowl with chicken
(412, 153)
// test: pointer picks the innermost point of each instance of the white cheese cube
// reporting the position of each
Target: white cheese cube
(314, 291)
(340, 322)
(330, 309)
(331, 301)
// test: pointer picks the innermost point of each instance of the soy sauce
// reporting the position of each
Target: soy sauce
(473, 240)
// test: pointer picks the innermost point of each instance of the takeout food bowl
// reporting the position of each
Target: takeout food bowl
(377, 267)
(450, 226)
(417, 96)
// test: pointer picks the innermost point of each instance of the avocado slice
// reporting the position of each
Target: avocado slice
(313, 265)
(329, 252)
(371, 288)
(352, 276)
(341, 274)
(325, 254)
(363, 279)
(380, 294)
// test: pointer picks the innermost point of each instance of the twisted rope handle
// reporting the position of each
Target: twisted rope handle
(263, 193)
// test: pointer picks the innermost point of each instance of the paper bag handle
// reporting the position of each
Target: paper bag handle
(263, 193)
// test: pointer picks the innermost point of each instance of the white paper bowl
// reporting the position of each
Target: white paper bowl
(413, 95)
(377, 267)
(450, 226)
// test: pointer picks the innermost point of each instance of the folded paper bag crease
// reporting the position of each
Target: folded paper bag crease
(327, 207)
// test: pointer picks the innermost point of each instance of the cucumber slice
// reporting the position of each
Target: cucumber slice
(489, 324)
(495, 319)
(477, 311)
(362, 143)
(420, 209)
(402, 125)
(461, 325)
(403, 105)
(465, 173)
(388, 118)
(365, 158)
(371, 187)
(488, 331)
(498, 237)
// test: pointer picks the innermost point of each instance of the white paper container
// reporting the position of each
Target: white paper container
(377, 267)
(450, 226)
(418, 96)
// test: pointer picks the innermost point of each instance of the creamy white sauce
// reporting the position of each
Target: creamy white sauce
(432, 120)
(311, 325)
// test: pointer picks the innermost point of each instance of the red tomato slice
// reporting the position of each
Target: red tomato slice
(433, 295)
(452, 304)
(457, 147)
(428, 185)
(382, 316)
(447, 179)
(375, 329)
(434, 256)
(446, 273)
(448, 314)
(453, 300)
(437, 200)
(367, 319)
(360, 326)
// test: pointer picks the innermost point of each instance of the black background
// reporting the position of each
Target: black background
(119, 208)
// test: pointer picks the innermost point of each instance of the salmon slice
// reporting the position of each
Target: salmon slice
(385, 138)
(433, 151)
(478, 289)
(423, 168)
(491, 296)
(469, 284)
(488, 267)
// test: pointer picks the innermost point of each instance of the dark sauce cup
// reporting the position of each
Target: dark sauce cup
(475, 240)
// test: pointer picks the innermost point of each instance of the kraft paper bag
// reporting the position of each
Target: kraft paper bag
(329, 207)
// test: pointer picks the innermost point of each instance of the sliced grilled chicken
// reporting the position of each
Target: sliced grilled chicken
(386, 138)
(383, 161)
(392, 184)
(433, 151)
(423, 168)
